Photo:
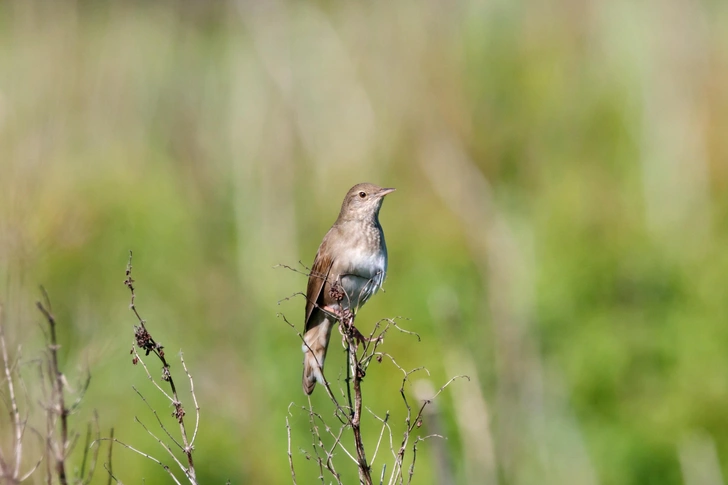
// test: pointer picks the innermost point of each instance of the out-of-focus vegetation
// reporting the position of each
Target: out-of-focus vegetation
(559, 232)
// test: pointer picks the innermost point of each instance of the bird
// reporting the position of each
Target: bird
(349, 267)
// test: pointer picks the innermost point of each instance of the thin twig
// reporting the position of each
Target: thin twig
(315, 434)
(111, 466)
(194, 399)
(357, 374)
(166, 448)
(111, 476)
(149, 457)
(414, 454)
(82, 473)
(385, 425)
(411, 424)
(17, 426)
(154, 411)
(337, 437)
(290, 455)
(138, 359)
(306, 273)
(58, 404)
(145, 341)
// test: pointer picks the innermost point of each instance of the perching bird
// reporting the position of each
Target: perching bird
(352, 260)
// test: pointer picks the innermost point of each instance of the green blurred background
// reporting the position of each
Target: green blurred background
(558, 234)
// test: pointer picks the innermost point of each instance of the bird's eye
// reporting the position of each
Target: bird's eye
(362, 194)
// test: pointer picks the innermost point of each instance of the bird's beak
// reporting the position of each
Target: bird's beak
(384, 192)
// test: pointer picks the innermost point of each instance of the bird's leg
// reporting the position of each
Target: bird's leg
(346, 317)
(347, 321)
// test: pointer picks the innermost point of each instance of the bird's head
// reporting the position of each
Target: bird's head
(363, 202)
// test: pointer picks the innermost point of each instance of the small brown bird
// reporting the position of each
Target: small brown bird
(352, 260)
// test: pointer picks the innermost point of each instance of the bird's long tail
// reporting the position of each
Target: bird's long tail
(314, 352)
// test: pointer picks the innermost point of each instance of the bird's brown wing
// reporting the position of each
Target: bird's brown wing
(316, 281)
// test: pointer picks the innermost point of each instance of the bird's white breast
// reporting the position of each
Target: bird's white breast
(364, 275)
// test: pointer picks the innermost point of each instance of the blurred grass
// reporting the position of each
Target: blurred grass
(559, 222)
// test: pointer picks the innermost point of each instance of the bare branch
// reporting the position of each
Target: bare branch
(290, 455)
(111, 448)
(194, 399)
(145, 341)
(18, 427)
(111, 475)
(414, 454)
(167, 449)
(83, 478)
(317, 437)
(138, 359)
(385, 425)
(37, 463)
(154, 411)
(58, 405)
(149, 457)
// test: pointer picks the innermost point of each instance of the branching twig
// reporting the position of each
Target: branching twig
(154, 411)
(290, 455)
(146, 342)
(58, 404)
(414, 454)
(318, 443)
(83, 478)
(110, 466)
(358, 374)
(385, 425)
(111, 474)
(149, 457)
(18, 427)
(194, 399)
(165, 446)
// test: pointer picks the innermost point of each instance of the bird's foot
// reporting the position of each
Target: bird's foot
(359, 336)
(333, 311)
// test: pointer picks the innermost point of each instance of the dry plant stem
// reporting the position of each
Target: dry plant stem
(329, 464)
(316, 436)
(110, 466)
(385, 425)
(18, 427)
(94, 459)
(153, 347)
(154, 411)
(290, 455)
(414, 454)
(364, 472)
(149, 457)
(166, 447)
(194, 399)
(357, 372)
(111, 476)
(337, 437)
(85, 450)
(58, 405)
(410, 423)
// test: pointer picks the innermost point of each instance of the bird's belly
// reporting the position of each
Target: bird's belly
(363, 279)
